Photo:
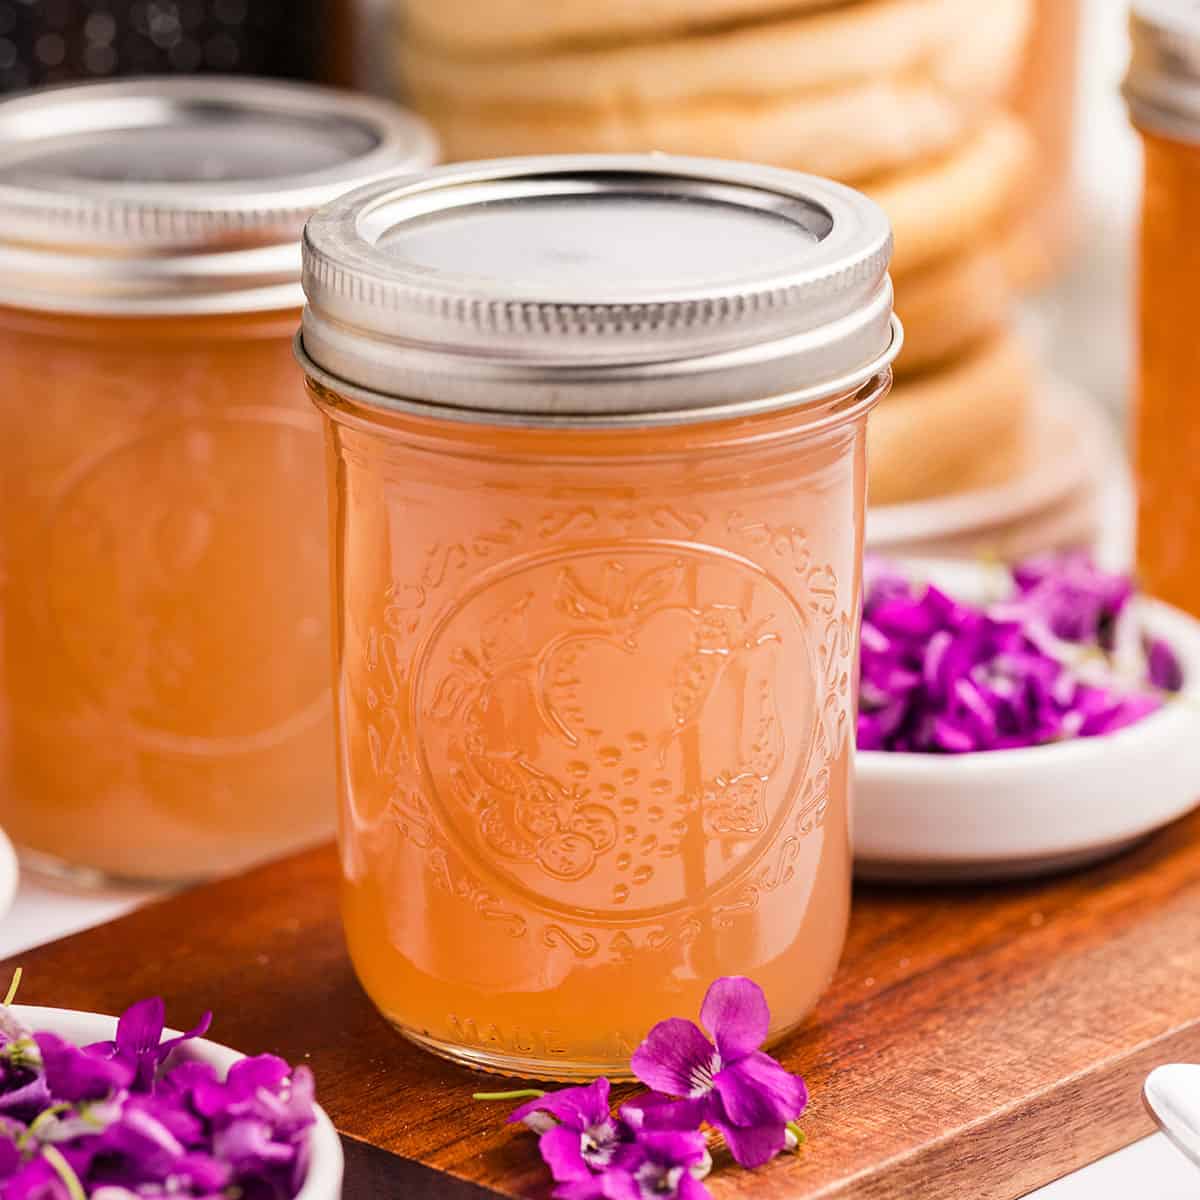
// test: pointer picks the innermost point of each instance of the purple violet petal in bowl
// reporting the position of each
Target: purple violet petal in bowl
(944, 676)
(1163, 665)
(74, 1074)
(118, 1117)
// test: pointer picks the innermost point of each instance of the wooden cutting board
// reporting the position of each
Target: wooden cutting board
(976, 1042)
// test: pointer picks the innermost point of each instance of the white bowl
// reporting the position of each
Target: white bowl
(324, 1181)
(1010, 813)
(8, 874)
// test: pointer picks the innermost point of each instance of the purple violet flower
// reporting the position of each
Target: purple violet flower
(1051, 662)
(656, 1166)
(263, 1088)
(73, 1074)
(1072, 596)
(11, 1136)
(654, 1111)
(139, 1042)
(138, 1148)
(41, 1178)
(1163, 667)
(740, 1091)
(35, 1180)
(118, 1121)
(23, 1090)
(25, 1095)
(578, 1134)
(249, 1144)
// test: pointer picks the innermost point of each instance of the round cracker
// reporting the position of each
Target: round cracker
(783, 94)
(491, 26)
(811, 53)
(951, 305)
(854, 133)
(940, 208)
(961, 428)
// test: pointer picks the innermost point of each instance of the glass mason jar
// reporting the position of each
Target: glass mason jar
(1163, 91)
(164, 691)
(1045, 98)
(596, 445)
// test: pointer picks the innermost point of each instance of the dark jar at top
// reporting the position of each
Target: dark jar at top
(73, 41)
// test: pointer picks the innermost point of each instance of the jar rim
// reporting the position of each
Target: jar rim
(453, 415)
(1162, 83)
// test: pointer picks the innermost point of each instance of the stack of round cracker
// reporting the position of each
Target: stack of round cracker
(905, 99)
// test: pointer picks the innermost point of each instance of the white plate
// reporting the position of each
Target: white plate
(1074, 452)
(1009, 813)
(324, 1181)
(8, 874)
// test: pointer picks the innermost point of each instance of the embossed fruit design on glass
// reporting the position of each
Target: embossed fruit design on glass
(1163, 90)
(596, 589)
(164, 681)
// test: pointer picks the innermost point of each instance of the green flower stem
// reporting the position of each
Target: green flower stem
(85, 1111)
(798, 1133)
(63, 1170)
(11, 994)
(40, 1122)
(521, 1094)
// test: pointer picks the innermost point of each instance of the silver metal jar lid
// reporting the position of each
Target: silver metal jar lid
(1162, 85)
(180, 195)
(598, 286)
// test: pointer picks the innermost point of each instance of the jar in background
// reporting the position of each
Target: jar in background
(1163, 91)
(597, 468)
(164, 609)
(1045, 98)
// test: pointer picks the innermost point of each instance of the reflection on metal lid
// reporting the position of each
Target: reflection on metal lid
(184, 193)
(586, 284)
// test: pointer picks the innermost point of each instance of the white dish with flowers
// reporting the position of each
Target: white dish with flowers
(1007, 813)
(323, 1176)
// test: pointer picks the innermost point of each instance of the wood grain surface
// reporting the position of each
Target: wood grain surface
(976, 1042)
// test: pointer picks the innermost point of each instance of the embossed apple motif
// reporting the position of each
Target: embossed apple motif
(640, 633)
(606, 726)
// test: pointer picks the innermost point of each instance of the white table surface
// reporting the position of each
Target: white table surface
(1090, 347)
